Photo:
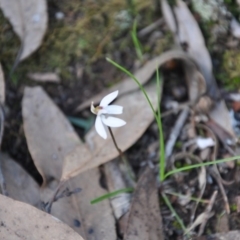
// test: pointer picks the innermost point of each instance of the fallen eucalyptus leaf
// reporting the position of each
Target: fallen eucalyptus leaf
(21, 221)
(29, 21)
(144, 221)
(49, 134)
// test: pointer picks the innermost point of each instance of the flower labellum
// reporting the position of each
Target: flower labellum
(103, 111)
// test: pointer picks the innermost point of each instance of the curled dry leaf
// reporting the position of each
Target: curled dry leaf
(190, 34)
(144, 74)
(20, 185)
(50, 137)
(144, 221)
(22, 221)
(29, 21)
(2, 86)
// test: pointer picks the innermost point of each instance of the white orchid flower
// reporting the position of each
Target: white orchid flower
(103, 111)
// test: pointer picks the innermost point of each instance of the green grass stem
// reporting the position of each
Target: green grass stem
(112, 194)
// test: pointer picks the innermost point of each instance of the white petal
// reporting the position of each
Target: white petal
(108, 99)
(114, 109)
(100, 128)
(112, 121)
(203, 143)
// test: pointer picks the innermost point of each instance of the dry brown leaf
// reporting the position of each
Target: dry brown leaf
(145, 222)
(29, 21)
(2, 86)
(50, 137)
(143, 75)
(138, 115)
(21, 221)
(49, 134)
(44, 77)
(20, 185)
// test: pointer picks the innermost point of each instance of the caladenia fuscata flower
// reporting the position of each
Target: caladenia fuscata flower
(104, 112)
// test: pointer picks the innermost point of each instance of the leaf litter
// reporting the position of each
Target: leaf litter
(66, 163)
(29, 21)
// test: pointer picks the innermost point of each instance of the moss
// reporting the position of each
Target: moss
(85, 34)
(176, 225)
(233, 207)
(230, 74)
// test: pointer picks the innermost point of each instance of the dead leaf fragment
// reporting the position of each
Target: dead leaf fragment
(44, 77)
(145, 222)
(20, 185)
(49, 134)
(2, 86)
(22, 221)
(29, 21)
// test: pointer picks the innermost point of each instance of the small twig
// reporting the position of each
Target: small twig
(203, 217)
(145, 31)
(208, 212)
(48, 206)
(217, 177)
(214, 169)
(67, 193)
(175, 132)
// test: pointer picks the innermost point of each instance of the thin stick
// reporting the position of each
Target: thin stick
(48, 207)
(175, 132)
